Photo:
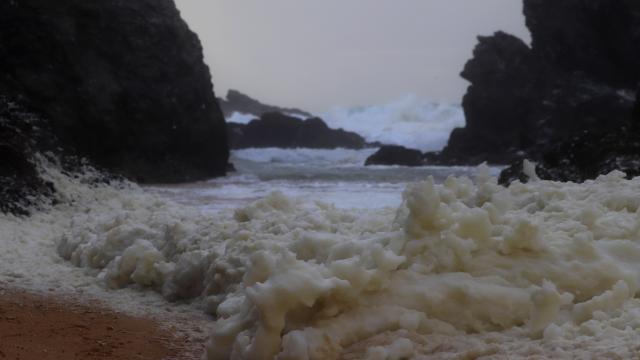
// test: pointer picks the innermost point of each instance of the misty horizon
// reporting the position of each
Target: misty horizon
(345, 54)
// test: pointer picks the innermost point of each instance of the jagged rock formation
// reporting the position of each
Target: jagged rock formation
(241, 103)
(282, 131)
(497, 124)
(586, 155)
(579, 75)
(122, 83)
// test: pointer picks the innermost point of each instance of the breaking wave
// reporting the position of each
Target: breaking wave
(409, 122)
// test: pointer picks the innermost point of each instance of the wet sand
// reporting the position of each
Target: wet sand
(41, 327)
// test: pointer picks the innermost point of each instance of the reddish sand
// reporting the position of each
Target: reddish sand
(35, 327)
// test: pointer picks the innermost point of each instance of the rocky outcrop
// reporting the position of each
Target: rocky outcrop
(28, 145)
(598, 38)
(497, 120)
(21, 133)
(122, 83)
(27, 142)
(579, 75)
(586, 155)
(282, 131)
(395, 155)
(241, 103)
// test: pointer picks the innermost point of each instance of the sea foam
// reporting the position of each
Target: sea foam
(466, 268)
(409, 122)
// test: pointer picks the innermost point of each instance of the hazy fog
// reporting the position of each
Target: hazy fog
(315, 54)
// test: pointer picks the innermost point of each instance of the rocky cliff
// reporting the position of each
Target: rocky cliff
(122, 83)
(579, 74)
(586, 155)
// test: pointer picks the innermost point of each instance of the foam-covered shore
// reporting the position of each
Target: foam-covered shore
(466, 268)
(30, 262)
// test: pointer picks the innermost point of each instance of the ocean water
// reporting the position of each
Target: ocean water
(307, 254)
(337, 177)
(409, 122)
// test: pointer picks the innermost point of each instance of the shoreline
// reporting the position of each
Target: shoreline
(50, 326)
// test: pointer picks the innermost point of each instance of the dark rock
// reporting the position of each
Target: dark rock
(27, 143)
(500, 75)
(239, 102)
(395, 155)
(576, 104)
(598, 38)
(578, 75)
(504, 91)
(21, 133)
(466, 149)
(515, 172)
(433, 158)
(122, 82)
(282, 131)
(584, 157)
(635, 120)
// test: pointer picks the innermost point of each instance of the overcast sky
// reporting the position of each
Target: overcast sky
(316, 54)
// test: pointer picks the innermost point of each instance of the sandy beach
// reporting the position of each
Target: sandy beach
(40, 327)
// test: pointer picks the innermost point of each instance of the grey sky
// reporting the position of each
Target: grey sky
(316, 54)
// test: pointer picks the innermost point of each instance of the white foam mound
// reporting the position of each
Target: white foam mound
(409, 122)
(462, 269)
